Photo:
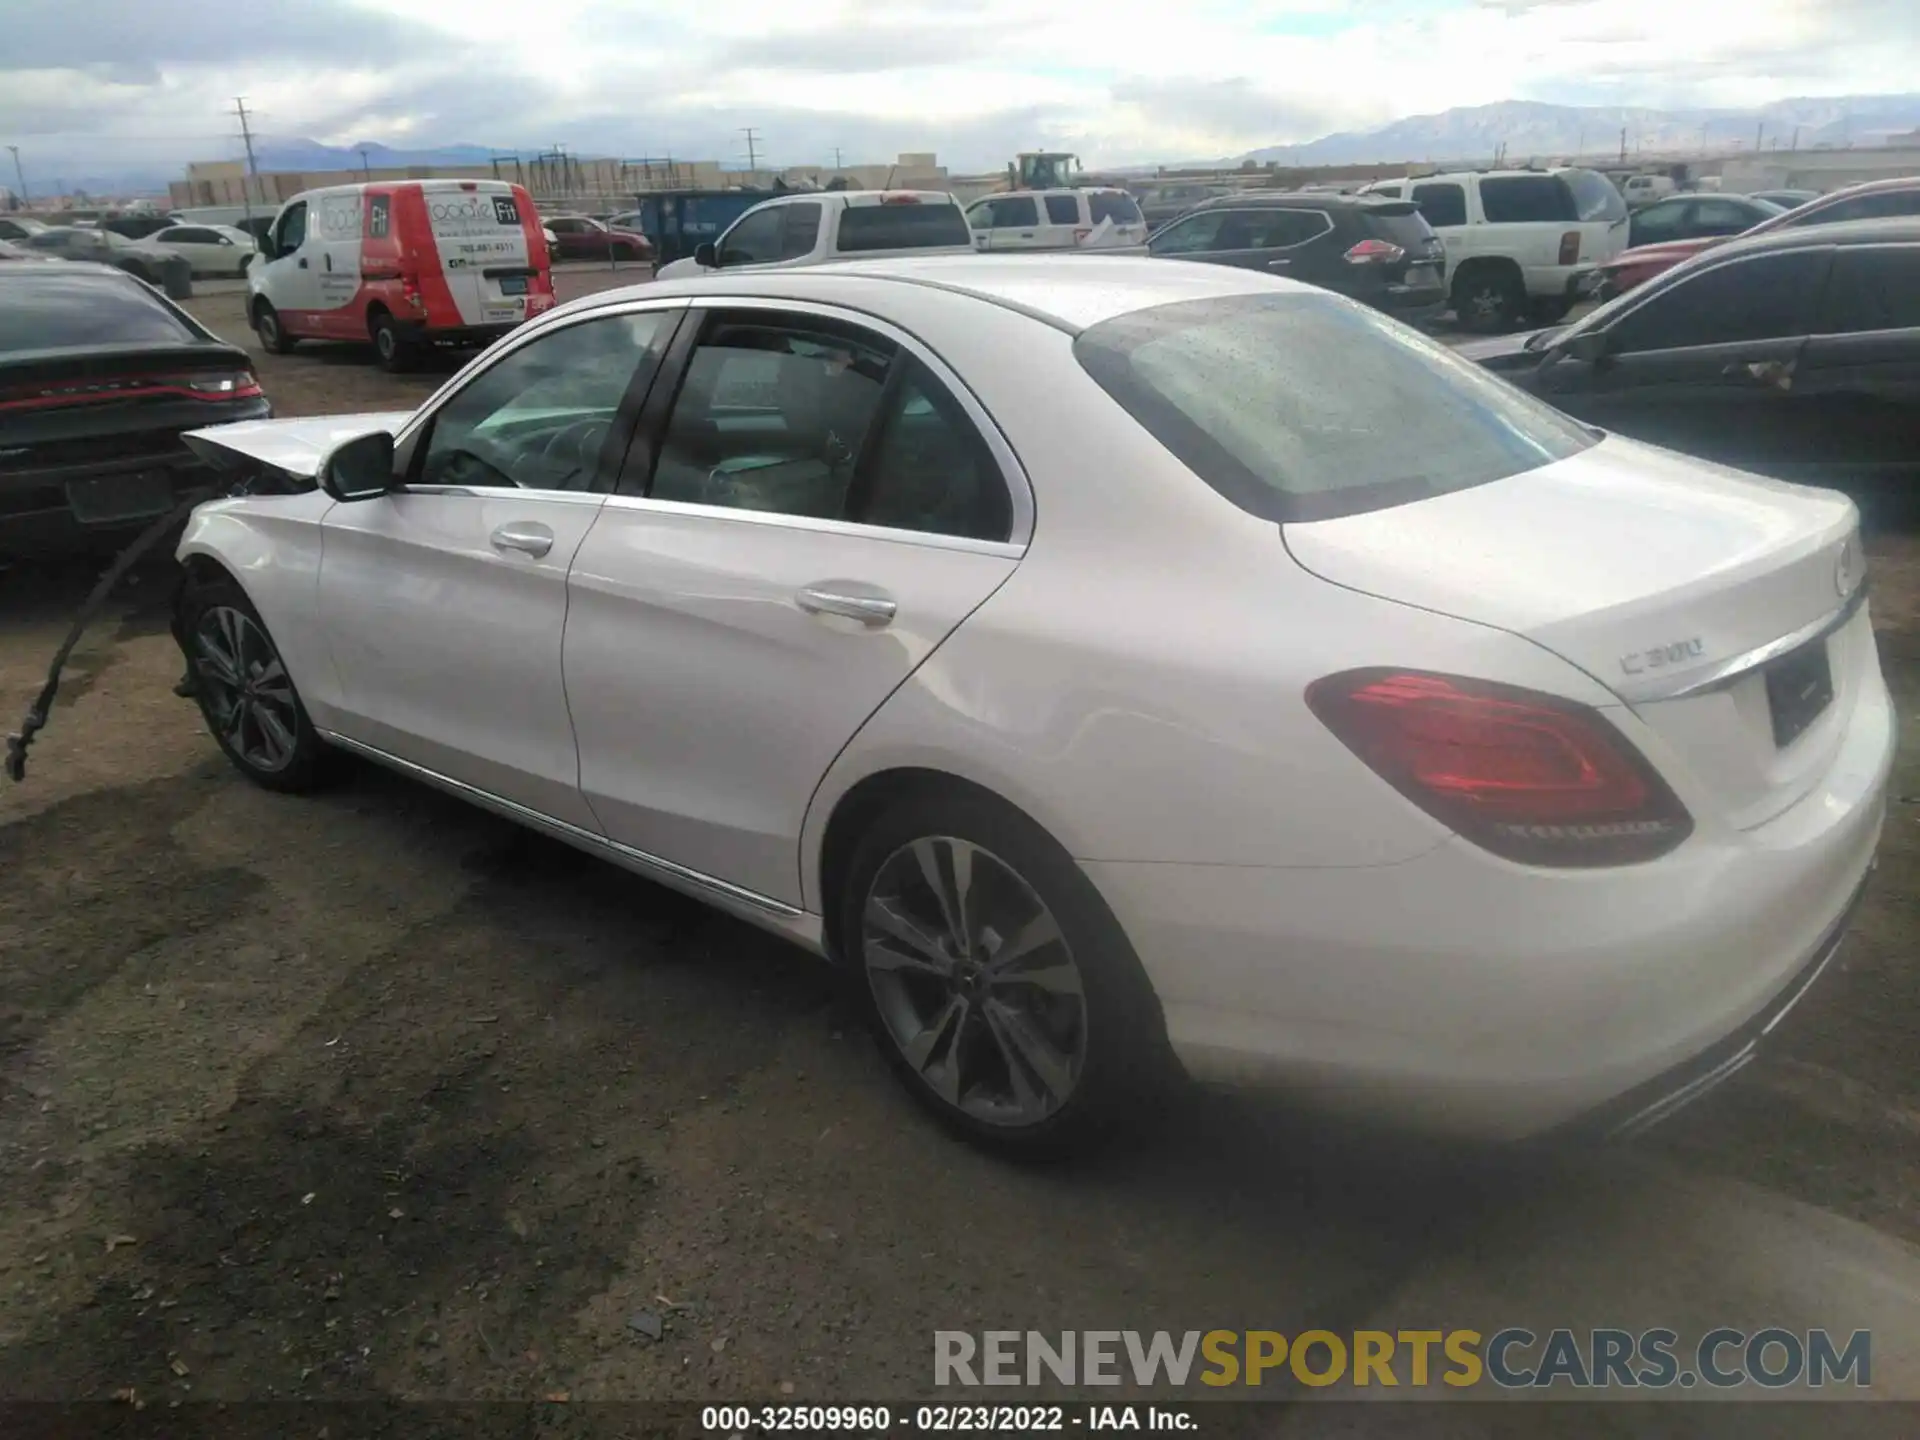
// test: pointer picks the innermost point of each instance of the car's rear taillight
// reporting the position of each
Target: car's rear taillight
(410, 290)
(236, 385)
(1570, 248)
(1531, 777)
(1375, 252)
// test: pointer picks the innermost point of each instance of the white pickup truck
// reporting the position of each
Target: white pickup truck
(817, 227)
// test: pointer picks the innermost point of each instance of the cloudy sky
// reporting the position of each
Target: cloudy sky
(116, 82)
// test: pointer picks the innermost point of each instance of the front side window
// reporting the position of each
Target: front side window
(1191, 236)
(1663, 221)
(1746, 300)
(771, 415)
(1443, 204)
(1011, 211)
(538, 419)
(1527, 199)
(290, 231)
(1721, 217)
(1306, 406)
(1872, 288)
(756, 239)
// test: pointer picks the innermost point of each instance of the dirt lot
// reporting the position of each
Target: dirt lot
(372, 1094)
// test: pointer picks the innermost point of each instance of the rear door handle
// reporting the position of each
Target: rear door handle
(524, 536)
(835, 598)
(1278, 264)
(1764, 372)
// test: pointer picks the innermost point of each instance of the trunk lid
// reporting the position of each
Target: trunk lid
(1704, 597)
(295, 448)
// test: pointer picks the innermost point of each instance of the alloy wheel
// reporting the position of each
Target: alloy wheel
(246, 689)
(974, 981)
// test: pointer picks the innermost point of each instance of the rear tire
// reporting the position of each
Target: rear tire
(273, 336)
(245, 691)
(394, 352)
(1488, 299)
(1027, 1027)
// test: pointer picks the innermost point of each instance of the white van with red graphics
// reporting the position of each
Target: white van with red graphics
(404, 264)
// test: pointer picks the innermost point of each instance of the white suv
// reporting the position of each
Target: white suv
(1520, 243)
(1089, 218)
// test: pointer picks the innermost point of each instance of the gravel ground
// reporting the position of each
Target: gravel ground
(370, 1093)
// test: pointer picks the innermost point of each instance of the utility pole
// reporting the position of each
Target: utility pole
(1623, 144)
(753, 154)
(253, 165)
(836, 157)
(1796, 139)
(365, 173)
(19, 174)
(1757, 134)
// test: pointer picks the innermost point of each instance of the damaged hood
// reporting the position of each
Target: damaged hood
(293, 447)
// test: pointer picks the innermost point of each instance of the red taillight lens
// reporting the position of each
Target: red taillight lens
(1531, 777)
(1375, 252)
(899, 199)
(239, 385)
(1570, 247)
(410, 291)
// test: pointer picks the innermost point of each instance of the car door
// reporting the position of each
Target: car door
(813, 506)
(1709, 364)
(1859, 375)
(1062, 226)
(1016, 223)
(197, 245)
(444, 601)
(1289, 241)
(1192, 237)
(289, 280)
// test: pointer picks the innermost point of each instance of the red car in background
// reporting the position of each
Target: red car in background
(580, 237)
(1873, 200)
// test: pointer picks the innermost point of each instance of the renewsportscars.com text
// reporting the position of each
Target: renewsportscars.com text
(1513, 1358)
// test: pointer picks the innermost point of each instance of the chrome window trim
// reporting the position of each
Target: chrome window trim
(927, 539)
(1325, 219)
(1738, 667)
(1012, 474)
(518, 340)
(570, 497)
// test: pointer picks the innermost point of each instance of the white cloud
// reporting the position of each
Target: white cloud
(1117, 80)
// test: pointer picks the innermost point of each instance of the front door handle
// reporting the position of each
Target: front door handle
(303, 262)
(1278, 264)
(875, 609)
(1778, 373)
(524, 536)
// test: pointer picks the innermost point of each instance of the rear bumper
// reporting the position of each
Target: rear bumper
(1463, 994)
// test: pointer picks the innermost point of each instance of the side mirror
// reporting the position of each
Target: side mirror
(1589, 346)
(361, 469)
(705, 256)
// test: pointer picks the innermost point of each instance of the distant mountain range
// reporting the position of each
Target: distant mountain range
(294, 154)
(1532, 129)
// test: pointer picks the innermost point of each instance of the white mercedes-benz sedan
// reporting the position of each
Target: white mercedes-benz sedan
(1103, 660)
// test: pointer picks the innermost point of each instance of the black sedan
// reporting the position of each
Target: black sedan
(99, 375)
(1795, 353)
(1698, 217)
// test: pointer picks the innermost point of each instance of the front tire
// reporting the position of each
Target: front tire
(1001, 990)
(245, 691)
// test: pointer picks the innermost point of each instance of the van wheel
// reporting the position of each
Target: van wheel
(266, 324)
(1488, 299)
(395, 353)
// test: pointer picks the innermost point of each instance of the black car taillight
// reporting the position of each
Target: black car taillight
(1529, 776)
(1375, 252)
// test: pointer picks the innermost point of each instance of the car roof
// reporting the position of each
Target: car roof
(1894, 231)
(1292, 199)
(1070, 292)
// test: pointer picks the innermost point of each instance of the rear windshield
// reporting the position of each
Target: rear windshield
(1120, 209)
(1512, 199)
(1403, 225)
(1305, 406)
(903, 227)
(1594, 196)
(42, 311)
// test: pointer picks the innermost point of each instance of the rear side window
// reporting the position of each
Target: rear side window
(928, 469)
(1886, 205)
(1758, 298)
(1120, 209)
(1441, 204)
(1872, 289)
(1594, 196)
(1274, 229)
(1306, 406)
(1524, 199)
(904, 227)
(1063, 210)
(66, 312)
(1402, 225)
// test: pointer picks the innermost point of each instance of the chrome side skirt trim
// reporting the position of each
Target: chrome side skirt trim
(787, 919)
(1726, 672)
